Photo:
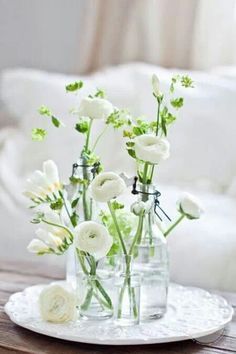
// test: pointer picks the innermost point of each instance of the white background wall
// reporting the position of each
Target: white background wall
(40, 34)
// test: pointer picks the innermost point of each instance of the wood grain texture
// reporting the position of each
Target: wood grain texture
(14, 339)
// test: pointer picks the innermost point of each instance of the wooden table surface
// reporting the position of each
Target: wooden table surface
(14, 339)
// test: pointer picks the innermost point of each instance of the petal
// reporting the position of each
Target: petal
(51, 171)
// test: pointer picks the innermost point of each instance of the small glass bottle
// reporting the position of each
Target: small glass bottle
(127, 298)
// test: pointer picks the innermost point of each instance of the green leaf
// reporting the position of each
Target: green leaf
(38, 134)
(100, 93)
(186, 81)
(130, 143)
(74, 219)
(74, 86)
(57, 205)
(75, 202)
(76, 180)
(118, 119)
(44, 111)
(117, 206)
(128, 134)
(177, 102)
(55, 122)
(131, 152)
(82, 126)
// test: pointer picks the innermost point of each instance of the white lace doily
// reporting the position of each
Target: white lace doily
(192, 313)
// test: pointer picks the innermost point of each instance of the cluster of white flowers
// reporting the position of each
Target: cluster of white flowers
(58, 302)
(43, 183)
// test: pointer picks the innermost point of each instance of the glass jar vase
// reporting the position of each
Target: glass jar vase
(95, 286)
(150, 254)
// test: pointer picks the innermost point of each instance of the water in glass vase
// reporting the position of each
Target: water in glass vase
(151, 258)
(95, 286)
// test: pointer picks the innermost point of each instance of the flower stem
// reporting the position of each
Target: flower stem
(138, 235)
(60, 226)
(113, 215)
(179, 219)
(99, 137)
(86, 146)
(158, 116)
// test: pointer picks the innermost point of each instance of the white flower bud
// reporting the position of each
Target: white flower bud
(189, 206)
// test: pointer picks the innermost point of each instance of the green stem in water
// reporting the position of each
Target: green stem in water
(113, 215)
(180, 218)
(138, 235)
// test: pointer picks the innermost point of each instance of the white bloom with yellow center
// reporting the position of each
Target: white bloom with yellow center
(151, 149)
(57, 303)
(95, 108)
(106, 186)
(43, 183)
(93, 238)
(190, 206)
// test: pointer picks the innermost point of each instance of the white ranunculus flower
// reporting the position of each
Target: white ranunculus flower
(37, 246)
(152, 149)
(106, 186)
(95, 108)
(57, 303)
(156, 85)
(43, 183)
(93, 238)
(190, 206)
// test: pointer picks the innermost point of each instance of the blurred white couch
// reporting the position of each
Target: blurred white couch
(202, 160)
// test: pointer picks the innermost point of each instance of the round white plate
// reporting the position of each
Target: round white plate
(192, 313)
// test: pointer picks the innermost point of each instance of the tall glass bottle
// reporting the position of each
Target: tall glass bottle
(150, 255)
(83, 206)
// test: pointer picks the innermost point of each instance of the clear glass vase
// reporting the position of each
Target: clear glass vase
(127, 294)
(84, 207)
(150, 256)
(95, 286)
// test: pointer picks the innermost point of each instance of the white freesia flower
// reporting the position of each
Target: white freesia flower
(37, 246)
(190, 206)
(95, 108)
(52, 241)
(156, 85)
(93, 238)
(106, 186)
(55, 218)
(141, 207)
(152, 149)
(57, 303)
(43, 183)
